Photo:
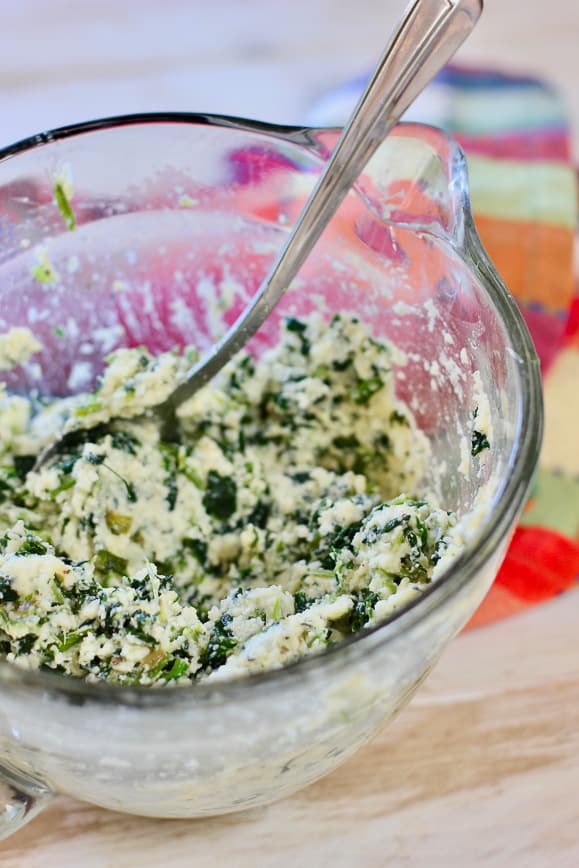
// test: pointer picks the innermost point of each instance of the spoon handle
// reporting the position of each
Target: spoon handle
(428, 35)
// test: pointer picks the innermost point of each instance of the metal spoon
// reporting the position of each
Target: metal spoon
(427, 37)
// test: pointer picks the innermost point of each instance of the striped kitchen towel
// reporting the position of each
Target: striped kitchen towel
(515, 134)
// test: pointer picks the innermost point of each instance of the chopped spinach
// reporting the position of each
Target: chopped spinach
(32, 546)
(125, 442)
(397, 418)
(294, 430)
(479, 442)
(172, 492)
(177, 670)
(221, 643)
(198, 547)
(348, 441)
(383, 441)
(301, 601)
(260, 514)
(220, 498)
(341, 540)
(366, 389)
(69, 640)
(299, 328)
(23, 464)
(363, 609)
(25, 644)
(343, 364)
(7, 592)
(6, 489)
(301, 476)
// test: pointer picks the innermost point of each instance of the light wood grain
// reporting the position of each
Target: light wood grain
(483, 768)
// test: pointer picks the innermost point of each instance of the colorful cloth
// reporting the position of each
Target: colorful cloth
(515, 134)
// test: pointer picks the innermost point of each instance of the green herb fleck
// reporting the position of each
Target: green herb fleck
(44, 271)
(69, 640)
(276, 611)
(107, 562)
(118, 523)
(66, 483)
(87, 409)
(177, 670)
(129, 487)
(61, 195)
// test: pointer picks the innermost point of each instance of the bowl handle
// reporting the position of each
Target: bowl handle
(21, 799)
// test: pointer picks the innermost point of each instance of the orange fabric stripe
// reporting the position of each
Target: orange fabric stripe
(534, 260)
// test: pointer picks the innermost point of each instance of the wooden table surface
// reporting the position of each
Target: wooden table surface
(482, 769)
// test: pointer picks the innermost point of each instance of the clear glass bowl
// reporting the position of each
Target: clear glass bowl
(177, 220)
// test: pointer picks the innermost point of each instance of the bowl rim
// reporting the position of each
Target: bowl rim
(508, 499)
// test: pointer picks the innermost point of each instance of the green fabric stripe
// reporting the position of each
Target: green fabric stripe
(495, 110)
(540, 192)
(555, 503)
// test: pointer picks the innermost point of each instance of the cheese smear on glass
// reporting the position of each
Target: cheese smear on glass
(286, 518)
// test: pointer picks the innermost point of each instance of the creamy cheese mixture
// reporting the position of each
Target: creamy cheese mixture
(17, 346)
(274, 528)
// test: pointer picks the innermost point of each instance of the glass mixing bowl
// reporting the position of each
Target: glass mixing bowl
(176, 220)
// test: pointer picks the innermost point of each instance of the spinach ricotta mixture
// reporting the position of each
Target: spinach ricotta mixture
(274, 528)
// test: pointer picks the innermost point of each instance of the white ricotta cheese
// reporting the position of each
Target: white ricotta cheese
(273, 529)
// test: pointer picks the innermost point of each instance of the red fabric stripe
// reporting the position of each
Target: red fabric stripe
(540, 563)
(543, 144)
(572, 328)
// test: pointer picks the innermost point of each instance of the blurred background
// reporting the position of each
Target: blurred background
(70, 60)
